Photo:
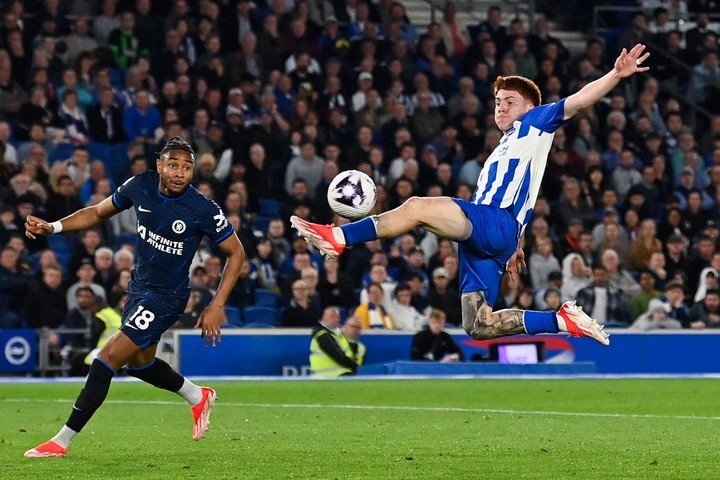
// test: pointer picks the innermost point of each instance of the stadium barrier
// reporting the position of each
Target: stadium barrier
(284, 352)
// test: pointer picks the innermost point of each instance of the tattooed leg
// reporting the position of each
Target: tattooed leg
(481, 323)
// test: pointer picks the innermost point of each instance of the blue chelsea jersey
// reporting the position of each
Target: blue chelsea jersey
(169, 230)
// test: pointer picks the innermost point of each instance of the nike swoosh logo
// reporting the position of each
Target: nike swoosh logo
(140, 208)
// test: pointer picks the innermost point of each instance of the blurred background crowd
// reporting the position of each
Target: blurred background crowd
(278, 96)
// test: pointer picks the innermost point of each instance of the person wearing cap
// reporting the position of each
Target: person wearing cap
(173, 218)
(488, 227)
(675, 257)
(655, 318)
(85, 275)
(443, 297)
(365, 84)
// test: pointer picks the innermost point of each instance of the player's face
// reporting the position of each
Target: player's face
(509, 106)
(176, 170)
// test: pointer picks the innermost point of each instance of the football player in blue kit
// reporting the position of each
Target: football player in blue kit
(173, 217)
(489, 227)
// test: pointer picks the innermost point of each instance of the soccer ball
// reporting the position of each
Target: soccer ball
(352, 194)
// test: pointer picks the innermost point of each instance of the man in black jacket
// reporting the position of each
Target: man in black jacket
(105, 119)
(435, 344)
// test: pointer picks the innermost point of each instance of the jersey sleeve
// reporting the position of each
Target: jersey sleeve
(548, 117)
(124, 195)
(214, 224)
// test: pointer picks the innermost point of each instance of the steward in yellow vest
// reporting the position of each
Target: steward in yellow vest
(330, 351)
(106, 322)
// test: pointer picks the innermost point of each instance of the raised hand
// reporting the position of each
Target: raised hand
(629, 63)
(37, 226)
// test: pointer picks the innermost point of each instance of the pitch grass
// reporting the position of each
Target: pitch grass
(445, 429)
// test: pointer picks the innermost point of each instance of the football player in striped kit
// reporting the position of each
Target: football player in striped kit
(488, 227)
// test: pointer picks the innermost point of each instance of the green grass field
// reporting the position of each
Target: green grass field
(392, 429)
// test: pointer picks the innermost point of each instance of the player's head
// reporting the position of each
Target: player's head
(176, 166)
(514, 96)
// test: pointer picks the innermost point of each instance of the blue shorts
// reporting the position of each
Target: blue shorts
(147, 316)
(483, 256)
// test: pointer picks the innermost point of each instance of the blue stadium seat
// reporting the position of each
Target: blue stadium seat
(261, 223)
(60, 243)
(62, 151)
(344, 314)
(100, 151)
(266, 298)
(119, 165)
(259, 317)
(234, 316)
(269, 207)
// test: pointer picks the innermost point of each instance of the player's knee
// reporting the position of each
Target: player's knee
(413, 206)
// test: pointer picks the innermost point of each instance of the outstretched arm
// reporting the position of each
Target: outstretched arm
(83, 219)
(214, 314)
(628, 63)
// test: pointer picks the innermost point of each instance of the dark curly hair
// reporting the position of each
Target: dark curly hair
(177, 143)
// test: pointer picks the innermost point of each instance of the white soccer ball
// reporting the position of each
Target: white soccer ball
(352, 194)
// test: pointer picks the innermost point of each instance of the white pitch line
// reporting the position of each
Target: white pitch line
(388, 407)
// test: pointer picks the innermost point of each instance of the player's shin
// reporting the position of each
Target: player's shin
(90, 398)
(361, 231)
(160, 374)
(540, 322)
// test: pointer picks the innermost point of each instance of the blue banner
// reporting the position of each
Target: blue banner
(19, 351)
(277, 352)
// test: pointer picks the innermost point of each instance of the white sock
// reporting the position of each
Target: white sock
(190, 392)
(64, 436)
(561, 323)
(339, 235)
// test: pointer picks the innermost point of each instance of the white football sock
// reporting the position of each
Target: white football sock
(190, 392)
(64, 436)
(561, 323)
(339, 235)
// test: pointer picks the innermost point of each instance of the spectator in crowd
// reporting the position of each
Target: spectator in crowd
(13, 286)
(675, 298)
(705, 313)
(640, 301)
(433, 343)
(80, 317)
(334, 286)
(142, 119)
(302, 311)
(85, 275)
(371, 312)
(655, 318)
(330, 351)
(619, 278)
(575, 276)
(352, 329)
(541, 263)
(602, 301)
(406, 316)
(644, 245)
(105, 119)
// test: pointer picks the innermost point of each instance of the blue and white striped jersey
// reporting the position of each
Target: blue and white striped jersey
(511, 176)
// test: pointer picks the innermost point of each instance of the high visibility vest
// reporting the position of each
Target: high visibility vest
(358, 356)
(321, 364)
(113, 322)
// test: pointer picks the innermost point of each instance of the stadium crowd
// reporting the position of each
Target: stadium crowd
(278, 96)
